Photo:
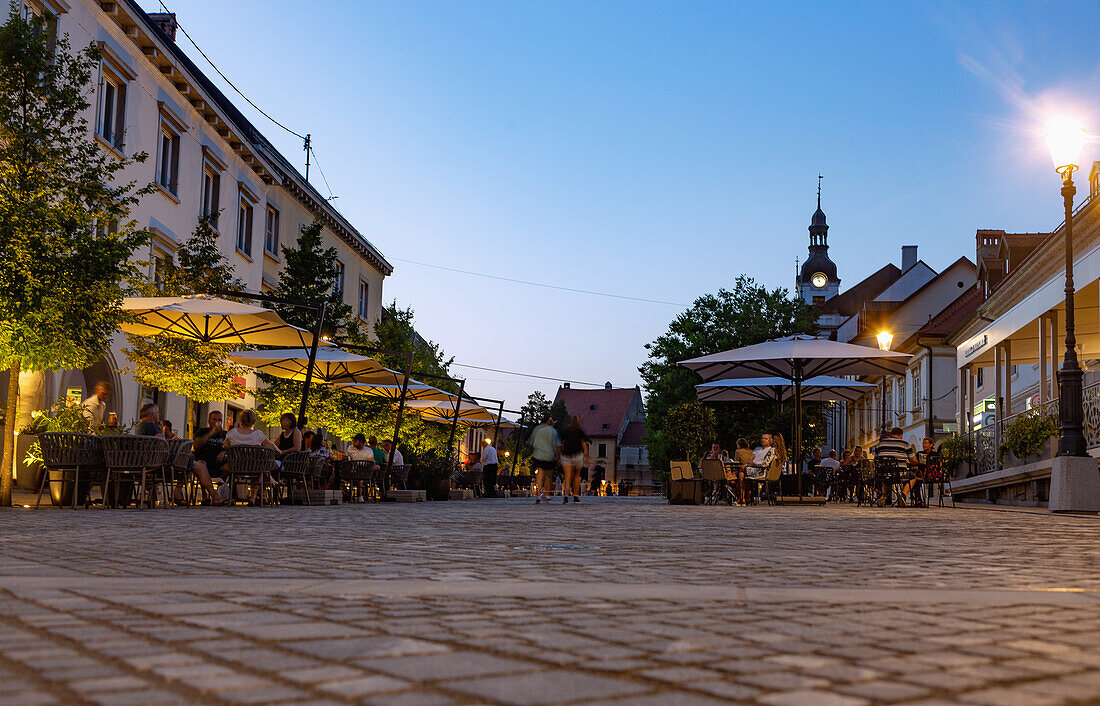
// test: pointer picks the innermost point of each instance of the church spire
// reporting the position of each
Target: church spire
(818, 192)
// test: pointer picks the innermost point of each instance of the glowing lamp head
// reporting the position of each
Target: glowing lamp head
(1065, 139)
(885, 338)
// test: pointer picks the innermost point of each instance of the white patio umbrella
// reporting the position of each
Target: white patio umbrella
(416, 390)
(208, 319)
(797, 359)
(822, 388)
(464, 411)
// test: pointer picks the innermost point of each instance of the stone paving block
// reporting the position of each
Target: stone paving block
(262, 695)
(664, 699)
(782, 680)
(1007, 696)
(545, 687)
(324, 672)
(451, 665)
(883, 691)
(362, 686)
(362, 647)
(811, 698)
(410, 698)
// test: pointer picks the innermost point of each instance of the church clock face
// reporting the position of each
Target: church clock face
(819, 280)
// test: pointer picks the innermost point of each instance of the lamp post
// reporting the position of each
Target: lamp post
(884, 338)
(1065, 140)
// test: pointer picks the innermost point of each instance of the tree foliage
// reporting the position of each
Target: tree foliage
(691, 428)
(345, 414)
(745, 315)
(199, 371)
(62, 279)
(310, 274)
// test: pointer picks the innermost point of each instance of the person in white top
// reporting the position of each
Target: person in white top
(245, 434)
(358, 450)
(489, 465)
(831, 466)
(398, 459)
(95, 407)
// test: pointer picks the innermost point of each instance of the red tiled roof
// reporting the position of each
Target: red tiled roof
(954, 314)
(611, 408)
(634, 434)
(847, 303)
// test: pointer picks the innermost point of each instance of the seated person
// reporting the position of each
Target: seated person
(150, 424)
(207, 453)
(830, 467)
(762, 458)
(387, 446)
(359, 451)
(894, 450)
(166, 428)
(716, 453)
(245, 434)
(290, 438)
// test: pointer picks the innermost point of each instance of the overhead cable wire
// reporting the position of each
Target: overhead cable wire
(539, 284)
(542, 377)
(317, 163)
(226, 78)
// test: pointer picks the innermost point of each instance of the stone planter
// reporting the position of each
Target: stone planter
(26, 477)
(439, 489)
(1048, 451)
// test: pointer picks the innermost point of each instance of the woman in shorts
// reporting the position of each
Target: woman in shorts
(574, 457)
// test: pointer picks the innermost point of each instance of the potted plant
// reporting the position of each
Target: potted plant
(1028, 437)
(436, 469)
(954, 451)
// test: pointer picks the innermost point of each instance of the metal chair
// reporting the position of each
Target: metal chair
(295, 468)
(249, 462)
(64, 453)
(357, 475)
(130, 455)
(714, 472)
(398, 474)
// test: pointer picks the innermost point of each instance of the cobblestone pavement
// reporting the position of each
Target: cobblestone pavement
(614, 601)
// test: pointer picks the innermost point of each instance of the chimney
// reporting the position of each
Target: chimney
(166, 22)
(908, 257)
(607, 386)
(565, 385)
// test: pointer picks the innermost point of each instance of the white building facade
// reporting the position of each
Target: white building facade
(204, 157)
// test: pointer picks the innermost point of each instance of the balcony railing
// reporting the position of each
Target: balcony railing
(985, 451)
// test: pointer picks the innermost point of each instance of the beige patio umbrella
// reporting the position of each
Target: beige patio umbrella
(208, 319)
(333, 365)
(392, 391)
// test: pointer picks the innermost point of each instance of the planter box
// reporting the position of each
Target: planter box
(317, 497)
(1048, 451)
(462, 494)
(25, 475)
(407, 496)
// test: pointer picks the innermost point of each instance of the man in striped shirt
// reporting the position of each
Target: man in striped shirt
(895, 450)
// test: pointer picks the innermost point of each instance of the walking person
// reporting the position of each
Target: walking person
(574, 457)
(95, 406)
(489, 467)
(545, 450)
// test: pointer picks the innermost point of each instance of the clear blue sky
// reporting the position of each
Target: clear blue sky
(651, 149)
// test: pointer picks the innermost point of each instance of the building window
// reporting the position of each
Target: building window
(34, 10)
(364, 300)
(901, 396)
(916, 388)
(105, 228)
(601, 450)
(112, 108)
(161, 262)
(168, 159)
(211, 190)
(591, 408)
(338, 286)
(244, 226)
(980, 382)
(271, 231)
(605, 427)
(818, 300)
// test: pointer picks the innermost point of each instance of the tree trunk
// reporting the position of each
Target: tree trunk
(188, 432)
(8, 458)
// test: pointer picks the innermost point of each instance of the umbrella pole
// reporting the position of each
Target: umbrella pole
(311, 365)
(798, 425)
(454, 422)
(400, 409)
(496, 427)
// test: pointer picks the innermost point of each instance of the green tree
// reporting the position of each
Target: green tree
(531, 414)
(199, 371)
(691, 428)
(748, 314)
(310, 274)
(346, 414)
(62, 279)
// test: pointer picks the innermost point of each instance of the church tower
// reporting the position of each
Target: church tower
(817, 280)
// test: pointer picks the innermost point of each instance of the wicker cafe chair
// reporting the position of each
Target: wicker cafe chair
(295, 469)
(65, 453)
(357, 475)
(182, 463)
(317, 467)
(129, 455)
(247, 462)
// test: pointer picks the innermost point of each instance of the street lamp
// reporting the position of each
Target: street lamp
(1065, 139)
(885, 338)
